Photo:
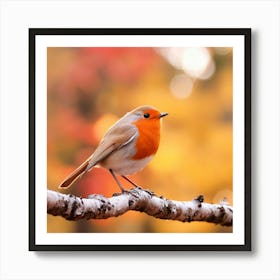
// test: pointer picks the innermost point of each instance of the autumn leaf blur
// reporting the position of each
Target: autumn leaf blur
(90, 88)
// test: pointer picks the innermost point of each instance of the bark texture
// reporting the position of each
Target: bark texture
(99, 207)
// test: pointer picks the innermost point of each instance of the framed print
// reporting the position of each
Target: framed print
(140, 139)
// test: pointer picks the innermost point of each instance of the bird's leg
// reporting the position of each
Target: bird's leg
(116, 179)
(149, 192)
(127, 179)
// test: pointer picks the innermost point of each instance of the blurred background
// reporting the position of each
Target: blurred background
(90, 88)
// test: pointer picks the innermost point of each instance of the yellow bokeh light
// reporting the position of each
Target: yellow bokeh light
(181, 86)
(102, 125)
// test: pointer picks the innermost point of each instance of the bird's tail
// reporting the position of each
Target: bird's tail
(75, 175)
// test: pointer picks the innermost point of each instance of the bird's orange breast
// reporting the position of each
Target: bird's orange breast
(148, 139)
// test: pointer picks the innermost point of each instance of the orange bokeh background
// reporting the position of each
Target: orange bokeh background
(90, 88)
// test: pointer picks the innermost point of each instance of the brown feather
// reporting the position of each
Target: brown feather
(74, 175)
(114, 139)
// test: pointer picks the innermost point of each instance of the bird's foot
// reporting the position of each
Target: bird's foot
(147, 191)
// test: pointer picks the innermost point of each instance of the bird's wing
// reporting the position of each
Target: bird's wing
(114, 139)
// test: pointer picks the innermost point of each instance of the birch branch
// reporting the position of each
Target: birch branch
(97, 206)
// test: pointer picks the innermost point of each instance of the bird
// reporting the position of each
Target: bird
(126, 148)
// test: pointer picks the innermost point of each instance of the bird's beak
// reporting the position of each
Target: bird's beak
(163, 114)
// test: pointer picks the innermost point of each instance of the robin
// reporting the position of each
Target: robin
(126, 148)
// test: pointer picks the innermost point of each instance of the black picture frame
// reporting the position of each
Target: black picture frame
(34, 33)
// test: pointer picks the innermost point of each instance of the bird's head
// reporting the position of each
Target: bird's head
(147, 114)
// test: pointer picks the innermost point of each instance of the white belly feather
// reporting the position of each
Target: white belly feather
(121, 162)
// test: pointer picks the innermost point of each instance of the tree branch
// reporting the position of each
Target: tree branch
(99, 207)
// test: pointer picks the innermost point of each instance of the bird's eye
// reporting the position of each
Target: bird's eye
(146, 115)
